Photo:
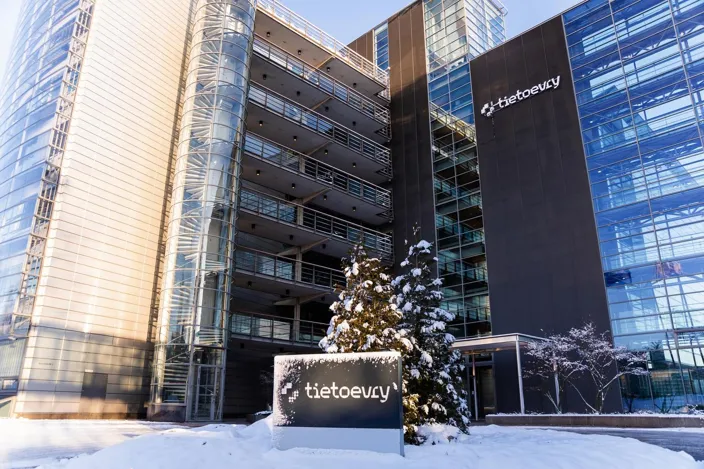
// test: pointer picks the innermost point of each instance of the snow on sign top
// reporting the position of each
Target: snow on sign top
(386, 357)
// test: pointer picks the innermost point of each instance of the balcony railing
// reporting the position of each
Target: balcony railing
(311, 120)
(277, 329)
(330, 176)
(465, 197)
(450, 229)
(285, 269)
(323, 82)
(471, 274)
(316, 35)
(315, 221)
(448, 120)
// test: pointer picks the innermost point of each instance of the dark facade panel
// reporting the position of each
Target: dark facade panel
(542, 252)
(410, 127)
(364, 45)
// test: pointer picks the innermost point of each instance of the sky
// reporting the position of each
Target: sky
(343, 19)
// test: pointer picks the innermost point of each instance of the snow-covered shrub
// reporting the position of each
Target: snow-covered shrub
(584, 353)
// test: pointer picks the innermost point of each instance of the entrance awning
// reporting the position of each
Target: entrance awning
(496, 343)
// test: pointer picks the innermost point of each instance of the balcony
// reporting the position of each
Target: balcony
(298, 81)
(281, 120)
(442, 122)
(450, 198)
(277, 330)
(284, 276)
(280, 168)
(289, 223)
(319, 49)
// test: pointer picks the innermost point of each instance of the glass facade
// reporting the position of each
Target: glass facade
(189, 367)
(455, 32)
(638, 69)
(35, 111)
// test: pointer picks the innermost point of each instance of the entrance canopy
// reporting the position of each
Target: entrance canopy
(496, 343)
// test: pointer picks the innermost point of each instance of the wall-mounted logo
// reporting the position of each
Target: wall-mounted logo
(489, 109)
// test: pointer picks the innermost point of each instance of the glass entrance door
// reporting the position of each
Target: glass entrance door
(207, 393)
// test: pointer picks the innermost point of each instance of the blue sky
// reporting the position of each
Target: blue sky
(344, 19)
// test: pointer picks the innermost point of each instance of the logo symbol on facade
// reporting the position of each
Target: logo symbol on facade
(489, 109)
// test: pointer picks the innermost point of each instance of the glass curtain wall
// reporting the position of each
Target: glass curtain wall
(455, 32)
(192, 342)
(638, 70)
(35, 111)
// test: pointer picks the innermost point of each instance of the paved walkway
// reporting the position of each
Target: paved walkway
(689, 441)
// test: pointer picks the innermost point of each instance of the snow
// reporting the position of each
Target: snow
(29, 443)
(236, 446)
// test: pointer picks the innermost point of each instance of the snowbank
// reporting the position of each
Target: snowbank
(232, 446)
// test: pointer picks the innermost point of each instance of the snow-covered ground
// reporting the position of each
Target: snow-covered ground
(232, 446)
(29, 443)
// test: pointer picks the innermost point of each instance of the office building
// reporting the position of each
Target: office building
(179, 180)
(590, 182)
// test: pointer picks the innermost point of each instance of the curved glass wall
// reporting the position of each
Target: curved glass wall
(196, 295)
(638, 70)
(35, 111)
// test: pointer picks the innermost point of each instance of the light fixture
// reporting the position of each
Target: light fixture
(325, 246)
(298, 93)
(249, 284)
(300, 52)
(290, 237)
(259, 173)
(295, 138)
(261, 123)
(354, 123)
(354, 85)
(293, 186)
(354, 209)
(254, 225)
(268, 34)
(354, 165)
(326, 152)
(327, 108)
(264, 76)
(328, 69)
(325, 197)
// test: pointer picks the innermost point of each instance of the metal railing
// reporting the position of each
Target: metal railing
(311, 120)
(285, 269)
(323, 81)
(450, 229)
(276, 329)
(448, 120)
(291, 160)
(318, 36)
(465, 197)
(472, 274)
(315, 221)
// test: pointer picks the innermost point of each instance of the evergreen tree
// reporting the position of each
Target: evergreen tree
(366, 319)
(433, 371)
